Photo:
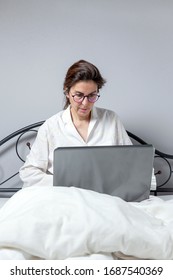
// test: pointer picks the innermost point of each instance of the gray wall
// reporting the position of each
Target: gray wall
(130, 41)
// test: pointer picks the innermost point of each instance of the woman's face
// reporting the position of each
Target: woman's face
(82, 109)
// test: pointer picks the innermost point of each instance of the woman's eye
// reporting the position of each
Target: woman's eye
(79, 95)
(91, 95)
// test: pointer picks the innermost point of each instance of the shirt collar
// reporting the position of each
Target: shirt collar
(66, 116)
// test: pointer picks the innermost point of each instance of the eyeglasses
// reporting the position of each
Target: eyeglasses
(79, 97)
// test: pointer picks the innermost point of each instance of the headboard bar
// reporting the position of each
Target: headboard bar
(20, 131)
(31, 127)
(141, 141)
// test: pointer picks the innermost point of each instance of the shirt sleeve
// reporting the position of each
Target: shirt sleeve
(34, 170)
(121, 134)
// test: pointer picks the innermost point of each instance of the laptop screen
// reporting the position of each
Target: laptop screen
(123, 171)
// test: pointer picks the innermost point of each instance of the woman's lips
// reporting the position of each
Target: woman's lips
(83, 110)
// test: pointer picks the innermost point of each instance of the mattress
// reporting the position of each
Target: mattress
(166, 197)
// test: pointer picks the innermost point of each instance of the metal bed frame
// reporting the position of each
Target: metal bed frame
(34, 128)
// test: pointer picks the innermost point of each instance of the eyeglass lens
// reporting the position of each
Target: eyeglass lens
(91, 97)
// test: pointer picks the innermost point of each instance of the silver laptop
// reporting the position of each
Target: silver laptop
(123, 171)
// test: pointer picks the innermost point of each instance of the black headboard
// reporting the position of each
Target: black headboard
(159, 170)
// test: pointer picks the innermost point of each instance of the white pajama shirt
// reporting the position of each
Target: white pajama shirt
(105, 128)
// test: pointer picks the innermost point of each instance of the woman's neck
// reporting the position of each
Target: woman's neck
(81, 124)
(79, 119)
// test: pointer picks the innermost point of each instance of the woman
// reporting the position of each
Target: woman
(79, 124)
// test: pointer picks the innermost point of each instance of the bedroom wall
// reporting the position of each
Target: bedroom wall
(131, 42)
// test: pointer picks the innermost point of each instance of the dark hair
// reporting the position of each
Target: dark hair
(81, 71)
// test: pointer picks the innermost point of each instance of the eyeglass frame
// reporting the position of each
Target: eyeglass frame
(86, 96)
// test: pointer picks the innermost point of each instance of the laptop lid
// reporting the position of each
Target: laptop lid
(124, 171)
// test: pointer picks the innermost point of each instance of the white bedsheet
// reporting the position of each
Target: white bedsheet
(3, 200)
(14, 254)
(66, 223)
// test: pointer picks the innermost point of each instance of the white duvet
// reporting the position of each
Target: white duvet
(62, 222)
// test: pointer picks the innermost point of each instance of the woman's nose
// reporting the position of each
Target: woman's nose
(85, 100)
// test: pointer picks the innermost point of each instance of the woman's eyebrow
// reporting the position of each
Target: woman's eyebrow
(84, 94)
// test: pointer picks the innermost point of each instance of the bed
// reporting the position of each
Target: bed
(72, 223)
